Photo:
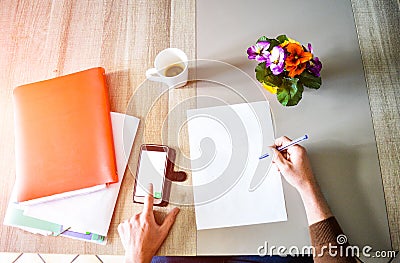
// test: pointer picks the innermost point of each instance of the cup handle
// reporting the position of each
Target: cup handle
(152, 74)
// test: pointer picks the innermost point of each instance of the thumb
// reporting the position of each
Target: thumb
(169, 220)
(279, 160)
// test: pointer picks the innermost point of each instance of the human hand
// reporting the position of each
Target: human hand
(141, 236)
(294, 165)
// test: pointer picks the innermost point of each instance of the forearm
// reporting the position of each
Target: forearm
(324, 229)
(315, 205)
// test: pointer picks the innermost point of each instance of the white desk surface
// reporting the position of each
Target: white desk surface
(337, 117)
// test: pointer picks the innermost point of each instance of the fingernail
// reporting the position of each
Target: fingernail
(176, 210)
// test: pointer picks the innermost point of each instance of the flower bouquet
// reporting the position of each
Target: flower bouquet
(285, 67)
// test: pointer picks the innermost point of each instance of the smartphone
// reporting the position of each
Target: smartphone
(153, 165)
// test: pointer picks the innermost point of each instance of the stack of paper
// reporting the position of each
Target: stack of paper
(86, 217)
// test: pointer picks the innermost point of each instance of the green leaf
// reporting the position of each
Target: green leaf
(309, 80)
(290, 92)
(265, 75)
(261, 72)
(282, 38)
(297, 96)
(272, 80)
(272, 42)
(263, 38)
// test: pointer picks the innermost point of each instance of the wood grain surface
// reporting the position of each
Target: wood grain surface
(45, 39)
(378, 29)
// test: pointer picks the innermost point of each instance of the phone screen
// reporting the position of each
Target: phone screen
(151, 170)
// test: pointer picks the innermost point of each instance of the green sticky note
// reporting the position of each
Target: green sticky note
(97, 237)
(18, 218)
(157, 195)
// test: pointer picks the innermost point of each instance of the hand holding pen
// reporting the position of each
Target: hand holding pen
(256, 181)
(287, 145)
(295, 167)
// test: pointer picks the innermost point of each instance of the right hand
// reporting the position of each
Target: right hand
(142, 236)
(294, 165)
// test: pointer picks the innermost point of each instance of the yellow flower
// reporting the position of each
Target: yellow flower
(271, 89)
(286, 42)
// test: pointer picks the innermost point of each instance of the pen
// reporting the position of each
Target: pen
(283, 147)
(62, 231)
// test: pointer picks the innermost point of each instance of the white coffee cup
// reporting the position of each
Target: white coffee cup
(170, 67)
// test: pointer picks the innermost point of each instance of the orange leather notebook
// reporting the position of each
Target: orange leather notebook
(63, 136)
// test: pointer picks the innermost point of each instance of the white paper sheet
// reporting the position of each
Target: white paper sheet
(225, 143)
(93, 212)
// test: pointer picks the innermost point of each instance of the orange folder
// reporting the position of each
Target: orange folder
(63, 136)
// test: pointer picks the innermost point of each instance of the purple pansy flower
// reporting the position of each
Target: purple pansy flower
(259, 51)
(310, 48)
(276, 60)
(314, 65)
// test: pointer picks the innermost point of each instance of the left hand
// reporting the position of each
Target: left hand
(141, 236)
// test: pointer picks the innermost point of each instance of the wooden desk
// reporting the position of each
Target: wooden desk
(45, 39)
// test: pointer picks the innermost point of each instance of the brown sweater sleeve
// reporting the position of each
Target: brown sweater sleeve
(324, 238)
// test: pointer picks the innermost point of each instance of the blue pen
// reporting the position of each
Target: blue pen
(283, 147)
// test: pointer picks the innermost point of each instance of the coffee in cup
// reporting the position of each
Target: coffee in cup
(170, 67)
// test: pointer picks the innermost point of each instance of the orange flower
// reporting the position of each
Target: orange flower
(295, 70)
(296, 61)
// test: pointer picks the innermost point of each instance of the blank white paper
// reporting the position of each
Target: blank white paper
(225, 143)
(93, 212)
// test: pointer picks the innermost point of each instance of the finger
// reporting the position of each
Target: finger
(121, 232)
(279, 160)
(120, 229)
(123, 223)
(134, 218)
(282, 140)
(169, 221)
(296, 149)
(148, 201)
